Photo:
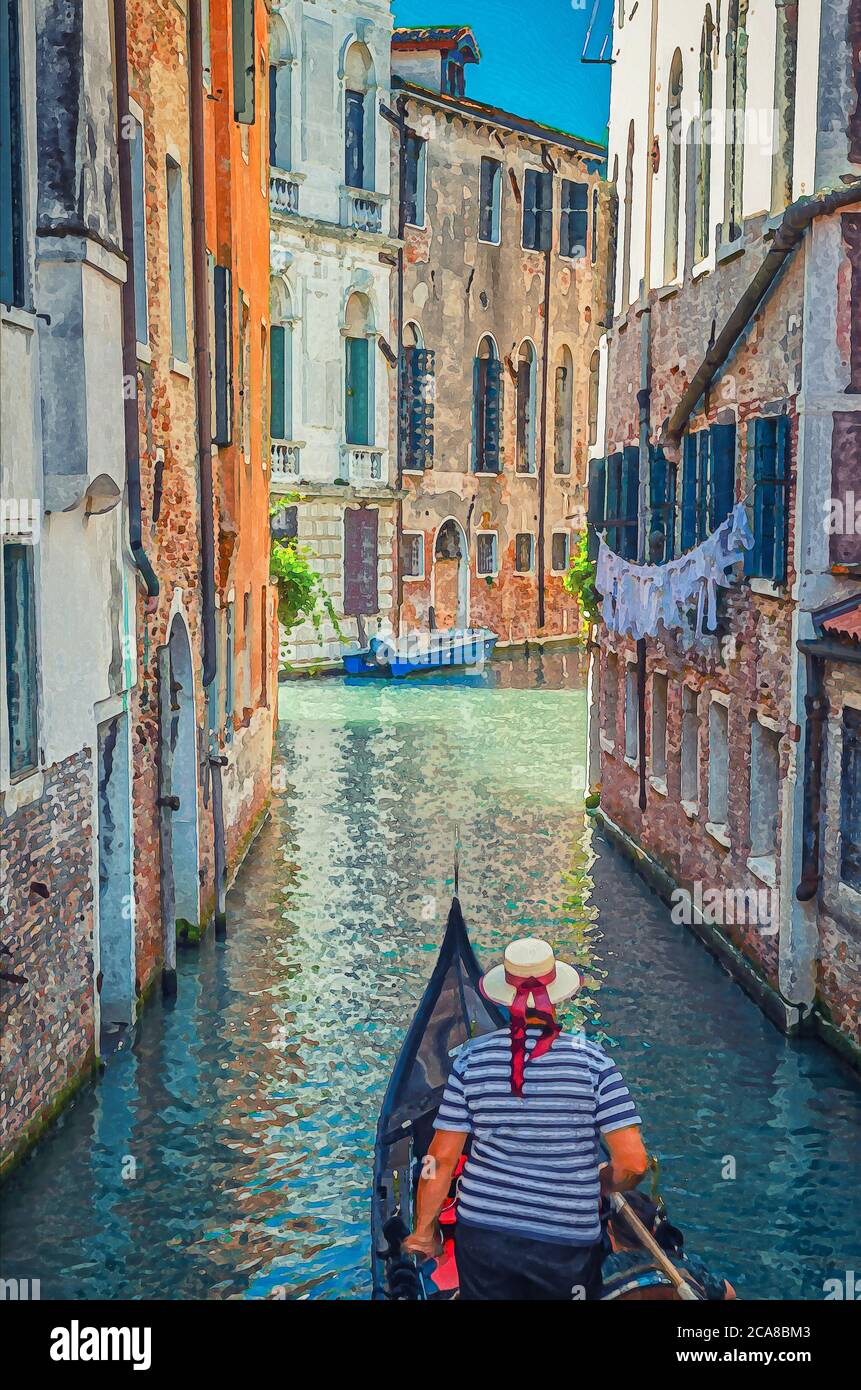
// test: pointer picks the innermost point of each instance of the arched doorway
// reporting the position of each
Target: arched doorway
(178, 788)
(451, 576)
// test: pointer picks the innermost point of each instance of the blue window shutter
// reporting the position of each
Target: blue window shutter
(354, 140)
(490, 191)
(690, 469)
(597, 502)
(11, 159)
(277, 417)
(273, 117)
(703, 478)
(614, 501)
(223, 355)
(138, 231)
(493, 416)
(421, 424)
(783, 473)
(662, 503)
(477, 413)
(722, 473)
(630, 501)
(530, 215)
(753, 557)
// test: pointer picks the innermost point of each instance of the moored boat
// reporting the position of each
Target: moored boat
(397, 657)
(451, 1012)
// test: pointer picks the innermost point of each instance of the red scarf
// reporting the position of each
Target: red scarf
(543, 1009)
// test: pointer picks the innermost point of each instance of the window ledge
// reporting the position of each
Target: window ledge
(703, 267)
(21, 318)
(412, 578)
(413, 473)
(668, 291)
(607, 744)
(526, 473)
(659, 785)
(180, 368)
(764, 867)
(691, 809)
(729, 251)
(719, 833)
(487, 472)
(144, 353)
(765, 587)
(23, 791)
(633, 763)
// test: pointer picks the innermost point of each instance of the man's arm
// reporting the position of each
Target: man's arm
(628, 1160)
(434, 1184)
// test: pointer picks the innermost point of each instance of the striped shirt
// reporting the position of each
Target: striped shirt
(533, 1164)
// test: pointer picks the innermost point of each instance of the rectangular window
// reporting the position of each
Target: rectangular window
(597, 505)
(595, 227)
(537, 210)
(490, 214)
(764, 791)
(718, 763)
(632, 713)
(563, 420)
(139, 230)
(361, 526)
(358, 420)
(415, 178)
(485, 553)
(354, 140)
(488, 395)
(560, 555)
(768, 443)
(418, 395)
(243, 61)
(280, 425)
(524, 553)
(611, 696)
(19, 630)
(284, 525)
(223, 354)
(690, 757)
(280, 116)
(850, 800)
(708, 482)
(244, 347)
(623, 487)
(176, 263)
(660, 690)
(413, 555)
(12, 258)
(574, 224)
(662, 502)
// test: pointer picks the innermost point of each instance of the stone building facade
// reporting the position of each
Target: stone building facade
(503, 302)
(727, 376)
(332, 253)
(67, 661)
(137, 711)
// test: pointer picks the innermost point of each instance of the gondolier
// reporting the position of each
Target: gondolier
(533, 1102)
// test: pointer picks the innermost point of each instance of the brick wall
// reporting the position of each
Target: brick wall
(839, 975)
(48, 1036)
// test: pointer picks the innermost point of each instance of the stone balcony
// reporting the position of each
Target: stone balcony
(285, 459)
(362, 210)
(283, 193)
(363, 464)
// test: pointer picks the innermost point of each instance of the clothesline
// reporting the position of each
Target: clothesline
(640, 599)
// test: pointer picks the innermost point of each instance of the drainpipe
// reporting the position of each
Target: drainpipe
(787, 237)
(644, 396)
(549, 164)
(130, 358)
(203, 386)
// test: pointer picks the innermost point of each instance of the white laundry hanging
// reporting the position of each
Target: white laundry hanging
(640, 599)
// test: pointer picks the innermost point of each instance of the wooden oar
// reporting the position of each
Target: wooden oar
(662, 1260)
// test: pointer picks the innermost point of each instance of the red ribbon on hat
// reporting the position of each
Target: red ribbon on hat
(536, 985)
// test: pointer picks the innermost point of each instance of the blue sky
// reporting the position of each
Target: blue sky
(530, 60)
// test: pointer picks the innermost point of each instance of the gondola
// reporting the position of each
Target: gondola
(451, 1012)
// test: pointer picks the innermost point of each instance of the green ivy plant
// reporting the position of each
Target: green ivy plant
(302, 594)
(580, 581)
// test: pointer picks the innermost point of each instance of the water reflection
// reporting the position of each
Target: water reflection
(227, 1154)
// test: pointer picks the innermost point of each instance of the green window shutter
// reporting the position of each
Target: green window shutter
(277, 353)
(597, 502)
(722, 489)
(782, 472)
(703, 480)
(357, 384)
(243, 61)
(689, 492)
(19, 634)
(630, 501)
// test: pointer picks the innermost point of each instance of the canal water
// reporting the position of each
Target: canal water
(227, 1153)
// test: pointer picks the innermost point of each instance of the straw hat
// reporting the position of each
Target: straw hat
(525, 960)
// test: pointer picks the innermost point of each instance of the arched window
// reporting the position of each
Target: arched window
(704, 146)
(628, 215)
(487, 398)
(280, 96)
(527, 391)
(359, 372)
(672, 206)
(736, 103)
(280, 361)
(564, 411)
(359, 112)
(594, 385)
